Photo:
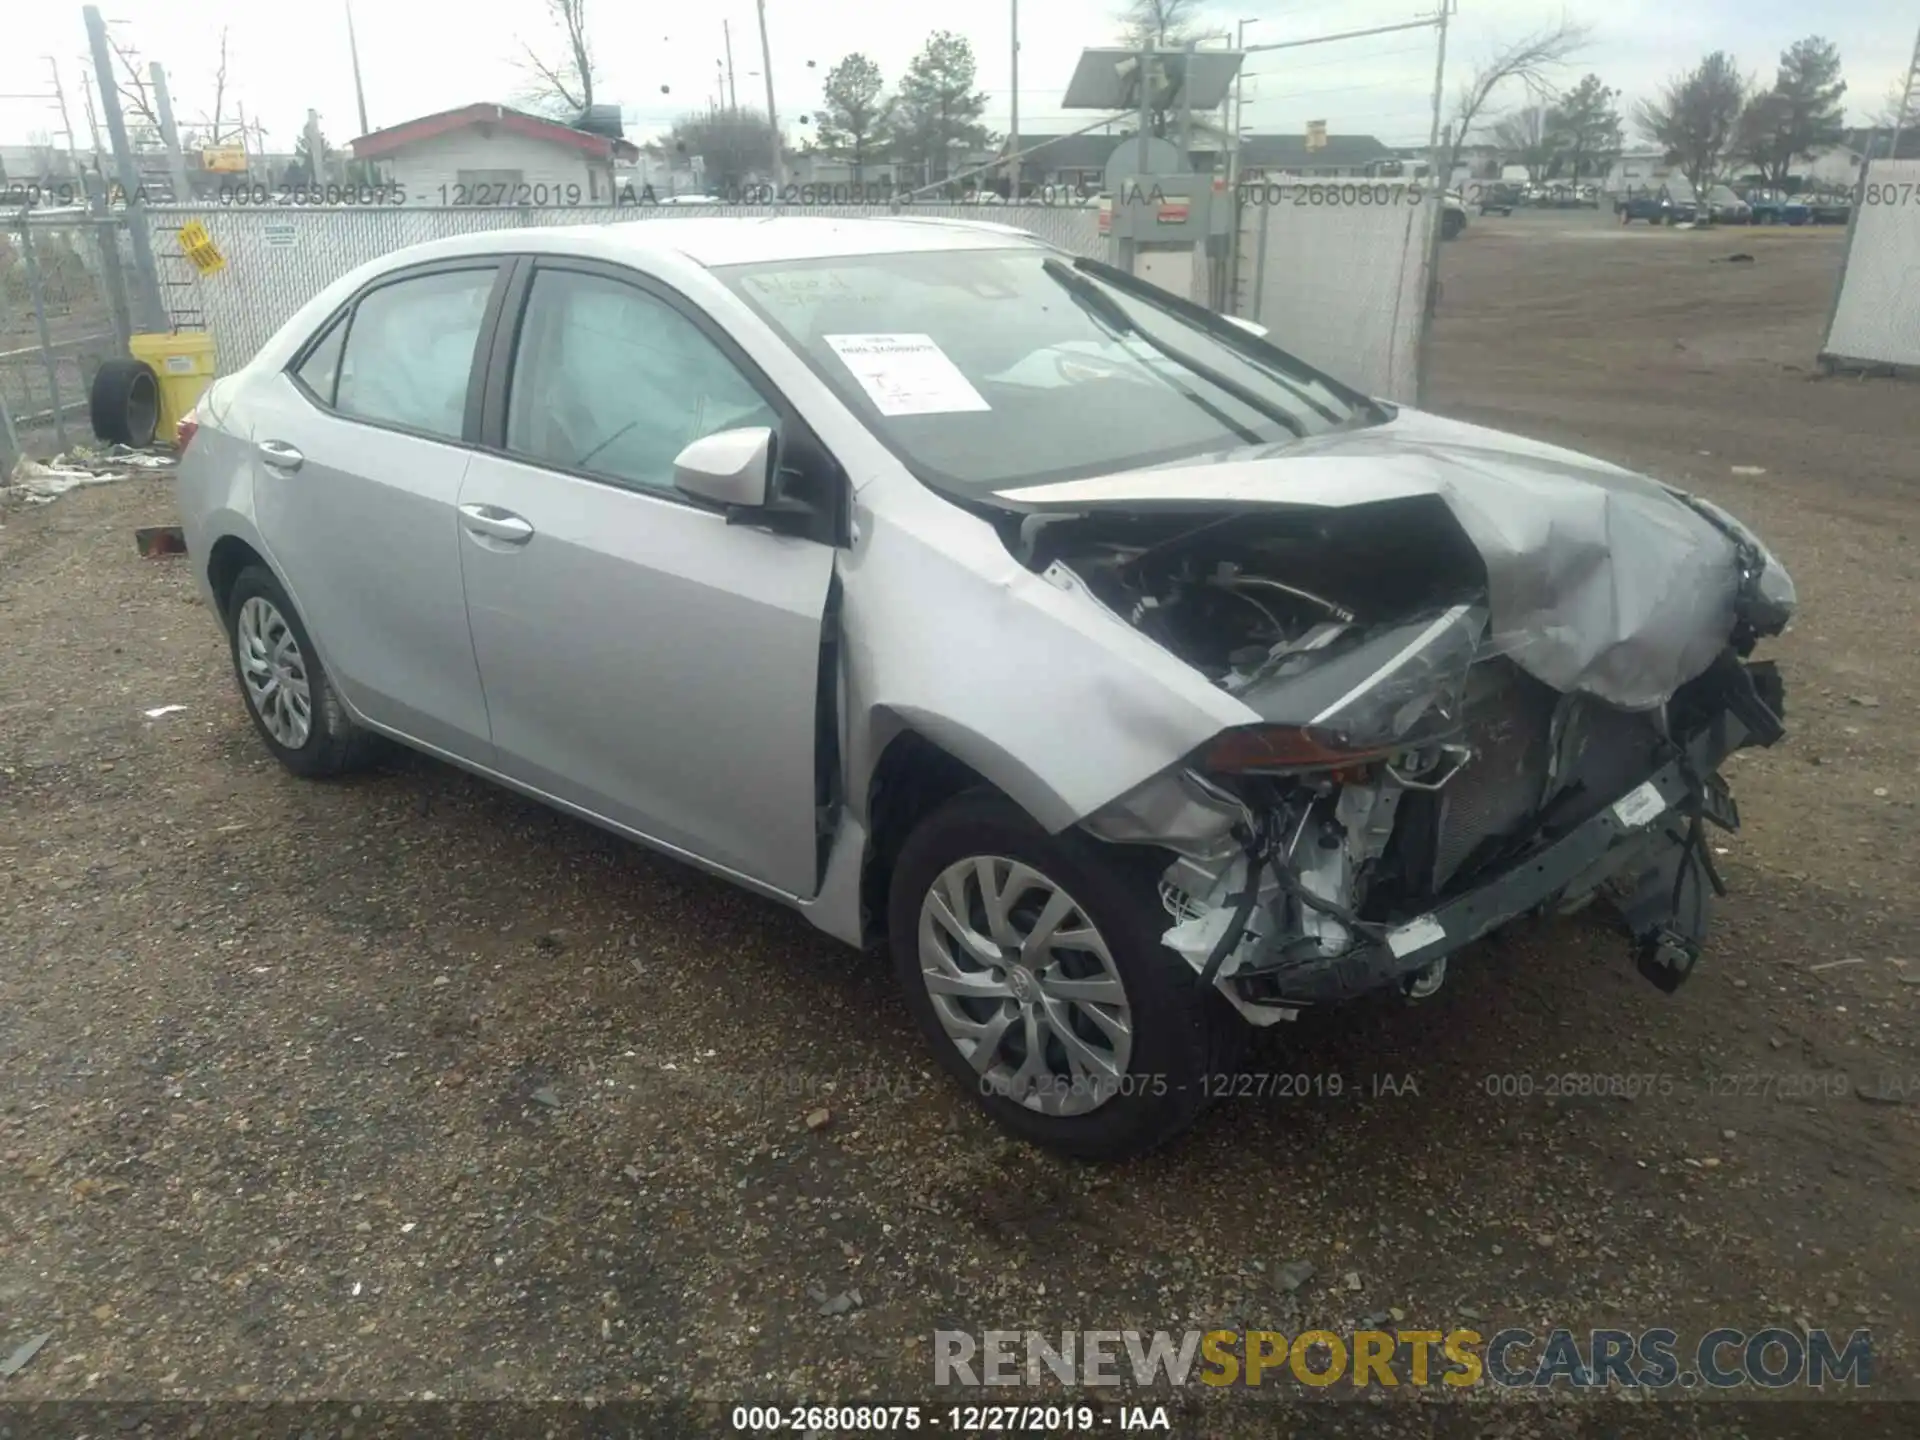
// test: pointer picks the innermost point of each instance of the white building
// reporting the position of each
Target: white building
(492, 155)
(1646, 169)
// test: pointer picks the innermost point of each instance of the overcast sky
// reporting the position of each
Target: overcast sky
(418, 56)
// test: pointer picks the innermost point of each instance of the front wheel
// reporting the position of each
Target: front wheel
(1032, 963)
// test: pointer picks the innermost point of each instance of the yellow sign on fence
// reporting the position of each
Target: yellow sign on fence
(197, 245)
(224, 159)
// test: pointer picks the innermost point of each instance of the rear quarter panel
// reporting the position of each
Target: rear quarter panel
(214, 489)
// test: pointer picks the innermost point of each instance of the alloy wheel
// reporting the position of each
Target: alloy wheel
(1025, 986)
(274, 672)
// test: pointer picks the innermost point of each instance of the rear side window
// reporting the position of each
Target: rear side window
(321, 368)
(409, 352)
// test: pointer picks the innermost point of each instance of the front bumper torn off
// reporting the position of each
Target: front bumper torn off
(1650, 834)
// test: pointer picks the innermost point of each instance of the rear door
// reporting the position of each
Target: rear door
(360, 447)
(643, 658)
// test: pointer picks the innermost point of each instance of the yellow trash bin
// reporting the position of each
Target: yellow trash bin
(183, 361)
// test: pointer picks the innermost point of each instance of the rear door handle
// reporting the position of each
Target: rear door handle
(280, 455)
(496, 524)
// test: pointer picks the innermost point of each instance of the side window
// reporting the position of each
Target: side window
(609, 380)
(409, 351)
(322, 365)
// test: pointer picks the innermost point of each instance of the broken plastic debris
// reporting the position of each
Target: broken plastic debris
(1748, 469)
(17, 1361)
(159, 710)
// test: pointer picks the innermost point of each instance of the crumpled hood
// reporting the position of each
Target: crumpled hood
(1599, 580)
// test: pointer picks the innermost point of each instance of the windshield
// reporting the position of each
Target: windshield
(985, 369)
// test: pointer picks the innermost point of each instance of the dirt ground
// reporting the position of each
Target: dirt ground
(407, 1087)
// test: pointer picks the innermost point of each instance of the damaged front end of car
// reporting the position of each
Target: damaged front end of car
(1412, 783)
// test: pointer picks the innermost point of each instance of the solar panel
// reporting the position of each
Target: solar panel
(1110, 79)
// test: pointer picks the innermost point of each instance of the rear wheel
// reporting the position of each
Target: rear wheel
(1032, 963)
(288, 695)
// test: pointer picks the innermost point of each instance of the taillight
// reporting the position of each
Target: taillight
(184, 432)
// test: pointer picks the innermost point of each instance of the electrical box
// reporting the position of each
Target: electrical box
(1186, 210)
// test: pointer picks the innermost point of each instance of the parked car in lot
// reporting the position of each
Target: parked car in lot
(1131, 680)
(1453, 216)
(1656, 207)
(1497, 199)
(1776, 207)
(1726, 208)
(1830, 209)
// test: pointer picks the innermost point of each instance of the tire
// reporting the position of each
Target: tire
(1450, 226)
(260, 620)
(124, 403)
(1178, 1035)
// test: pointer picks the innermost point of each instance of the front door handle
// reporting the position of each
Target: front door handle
(280, 455)
(496, 524)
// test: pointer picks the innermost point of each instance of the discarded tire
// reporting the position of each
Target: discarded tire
(124, 403)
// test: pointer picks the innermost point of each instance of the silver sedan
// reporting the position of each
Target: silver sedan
(1135, 683)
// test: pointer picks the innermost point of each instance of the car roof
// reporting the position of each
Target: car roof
(737, 239)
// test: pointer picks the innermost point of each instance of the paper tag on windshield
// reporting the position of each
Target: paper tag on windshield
(906, 374)
(1639, 806)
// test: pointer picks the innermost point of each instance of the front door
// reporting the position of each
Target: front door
(641, 657)
(358, 458)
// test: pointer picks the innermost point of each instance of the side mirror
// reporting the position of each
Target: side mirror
(1252, 327)
(731, 467)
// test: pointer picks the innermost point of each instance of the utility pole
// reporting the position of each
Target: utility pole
(359, 93)
(170, 133)
(1439, 100)
(1013, 125)
(773, 117)
(153, 313)
(733, 97)
(1239, 105)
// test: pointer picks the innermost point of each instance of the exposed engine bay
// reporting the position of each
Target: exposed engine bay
(1413, 786)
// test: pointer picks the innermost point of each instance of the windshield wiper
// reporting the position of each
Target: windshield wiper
(1104, 308)
(1220, 329)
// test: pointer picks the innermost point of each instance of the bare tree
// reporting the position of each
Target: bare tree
(1169, 24)
(1522, 138)
(1890, 117)
(1530, 61)
(1696, 116)
(211, 127)
(135, 96)
(563, 86)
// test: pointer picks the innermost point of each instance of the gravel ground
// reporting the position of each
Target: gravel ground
(407, 1087)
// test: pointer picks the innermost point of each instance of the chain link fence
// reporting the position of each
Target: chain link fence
(279, 258)
(1341, 284)
(63, 310)
(1338, 271)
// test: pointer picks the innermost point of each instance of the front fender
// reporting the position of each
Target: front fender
(1041, 690)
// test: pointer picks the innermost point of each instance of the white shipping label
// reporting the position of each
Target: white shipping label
(1639, 806)
(1415, 935)
(906, 374)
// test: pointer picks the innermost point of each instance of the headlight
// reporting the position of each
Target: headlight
(1392, 688)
